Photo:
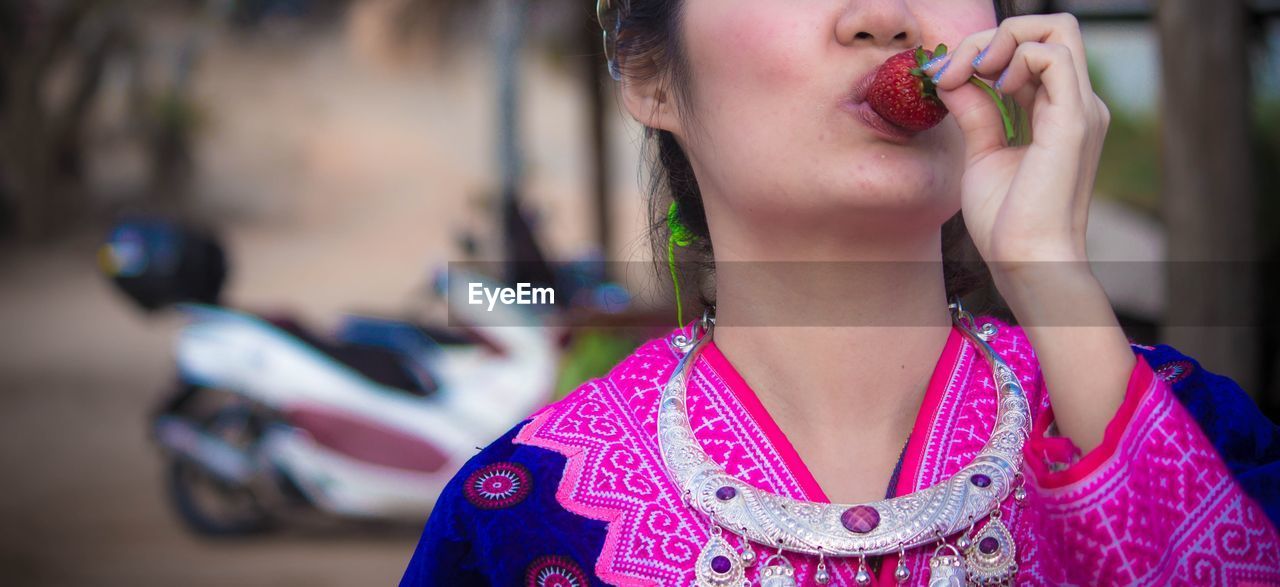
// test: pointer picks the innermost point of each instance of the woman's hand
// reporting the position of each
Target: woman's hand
(1026, 208)
(1029, 203)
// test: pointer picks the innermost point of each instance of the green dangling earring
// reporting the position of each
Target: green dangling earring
(681, 236)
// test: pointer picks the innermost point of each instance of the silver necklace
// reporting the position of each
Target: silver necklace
(919, 519)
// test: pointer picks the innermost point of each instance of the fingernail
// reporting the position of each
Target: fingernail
(932, 63)
(1000, 80)
(978, 60)
(938, 76)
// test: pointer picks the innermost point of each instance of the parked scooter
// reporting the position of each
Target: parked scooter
(370, 422)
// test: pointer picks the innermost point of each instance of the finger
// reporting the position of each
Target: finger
(1038, 71)
(978, 117)
(1047, 65)
(987, 53)
(1042, 73)
(1025, 98)
(944, 69)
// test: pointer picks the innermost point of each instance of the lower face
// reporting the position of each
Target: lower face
(770, 82)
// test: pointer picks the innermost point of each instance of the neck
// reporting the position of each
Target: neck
(859, 332)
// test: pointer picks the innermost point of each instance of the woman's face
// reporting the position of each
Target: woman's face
(774, 86)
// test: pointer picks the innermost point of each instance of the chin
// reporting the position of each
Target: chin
(896, 176)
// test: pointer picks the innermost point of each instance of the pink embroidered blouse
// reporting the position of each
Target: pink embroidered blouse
(1154, 504)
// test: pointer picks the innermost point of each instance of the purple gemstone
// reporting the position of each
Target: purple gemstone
(988, 545)
(860, 519)
(980, 480)
(726, 493)
(720, 564)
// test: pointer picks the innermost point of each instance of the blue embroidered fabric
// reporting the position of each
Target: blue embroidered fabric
(497, 522)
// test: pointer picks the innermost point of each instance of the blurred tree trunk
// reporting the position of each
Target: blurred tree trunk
(597, 93)
(1208, 188)
(41, 141)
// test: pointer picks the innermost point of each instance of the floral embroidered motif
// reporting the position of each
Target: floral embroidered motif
(1175, 371)
(555, 571)
(499, 485)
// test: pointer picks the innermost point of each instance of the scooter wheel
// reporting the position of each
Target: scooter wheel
(211, 507)
(207, 504)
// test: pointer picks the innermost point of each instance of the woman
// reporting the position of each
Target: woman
(1035, 454)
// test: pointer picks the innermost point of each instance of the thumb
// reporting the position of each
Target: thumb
(979, 119)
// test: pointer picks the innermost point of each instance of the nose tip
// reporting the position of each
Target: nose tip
(901, 36)
(882, 39)
(877, 24)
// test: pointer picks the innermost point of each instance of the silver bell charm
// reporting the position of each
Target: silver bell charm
(821, 576)
(1020, 492)
(864, 576)
(964, 541)
(902, 573)
(748, 555)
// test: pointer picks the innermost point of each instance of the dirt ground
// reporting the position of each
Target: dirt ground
(346, 183)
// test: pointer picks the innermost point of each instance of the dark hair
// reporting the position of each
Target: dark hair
(649, 48)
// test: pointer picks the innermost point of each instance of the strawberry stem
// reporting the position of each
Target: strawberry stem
(1004, 112)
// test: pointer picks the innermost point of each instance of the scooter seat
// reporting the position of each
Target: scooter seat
(380, 365)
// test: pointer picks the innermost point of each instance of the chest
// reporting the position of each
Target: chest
(857, 472)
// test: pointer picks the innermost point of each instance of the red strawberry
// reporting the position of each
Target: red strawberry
(904, 95)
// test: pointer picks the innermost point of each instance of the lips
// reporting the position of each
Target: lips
(856, 104)
(860, 89)
(885, 129)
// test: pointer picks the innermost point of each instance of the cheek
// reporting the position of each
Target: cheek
(741, 49)
(950, 21)
(752, 87)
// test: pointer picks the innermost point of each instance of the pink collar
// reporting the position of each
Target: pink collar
(942, 372)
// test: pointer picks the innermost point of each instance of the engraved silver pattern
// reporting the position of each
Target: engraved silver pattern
(905, 521)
